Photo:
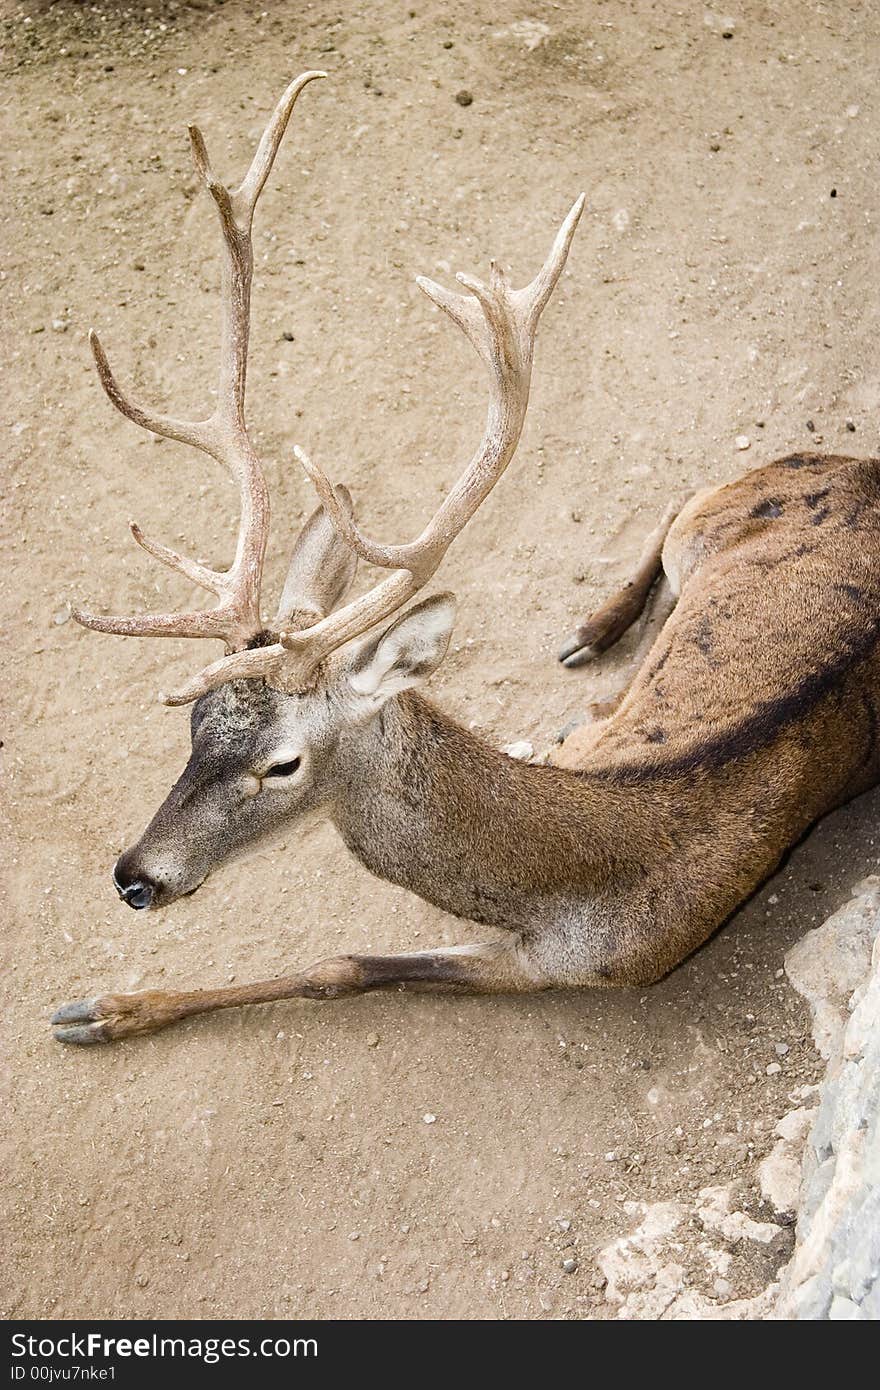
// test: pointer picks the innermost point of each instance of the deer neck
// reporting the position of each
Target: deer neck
(423, 803)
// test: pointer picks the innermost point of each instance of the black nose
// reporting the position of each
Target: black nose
(137, 892)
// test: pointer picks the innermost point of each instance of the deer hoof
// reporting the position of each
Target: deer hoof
(80, 1023)
(577, 651)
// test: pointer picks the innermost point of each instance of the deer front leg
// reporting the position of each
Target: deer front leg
(498, 967)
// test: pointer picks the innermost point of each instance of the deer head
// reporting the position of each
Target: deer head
(274, 714)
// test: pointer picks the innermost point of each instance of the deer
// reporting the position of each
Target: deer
(748, 712)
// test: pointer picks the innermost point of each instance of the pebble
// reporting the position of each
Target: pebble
(742, 441)
(372, 1040)
(522, 751)
(774, 1069)
(60, 325)
(61, 617)
(429, 1119)
(851, 426)
(780, 1049)
(569, 1266)
(464, 98)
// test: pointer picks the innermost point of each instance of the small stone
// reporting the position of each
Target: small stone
(60, 325)
(140, 265)
(569, 1266)
(354, 1235)
(464, 98)
(61, 617)
(429, 1119)
(447, 43)
(851, 426)
(774, 1069)
(811, 425)
(742, 441)
(852, 112)
(288, 336)
(723, 1288)
(372, 1040)
(780, 1049)
(522, 751)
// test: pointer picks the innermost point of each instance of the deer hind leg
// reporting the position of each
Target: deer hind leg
(498, 967)
(608, 624)
(580, 736)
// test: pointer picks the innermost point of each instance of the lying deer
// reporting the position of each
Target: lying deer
(752, 714)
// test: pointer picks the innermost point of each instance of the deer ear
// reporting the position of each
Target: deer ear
(406, 653)
(322, 568)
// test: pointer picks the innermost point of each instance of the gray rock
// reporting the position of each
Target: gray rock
(834, 1273)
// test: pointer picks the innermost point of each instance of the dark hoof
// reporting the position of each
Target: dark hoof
(80, 1023)
(577, 652)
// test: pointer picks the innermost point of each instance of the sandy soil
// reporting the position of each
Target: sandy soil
(723, 283)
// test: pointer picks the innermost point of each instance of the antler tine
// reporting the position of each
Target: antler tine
(198, 574)
(251, 186)
(186, 431)
(223, 435)
(536, 294)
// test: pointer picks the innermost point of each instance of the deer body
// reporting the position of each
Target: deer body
(748, 720)
(752, 711)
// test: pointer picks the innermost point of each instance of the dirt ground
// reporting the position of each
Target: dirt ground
(723, 283)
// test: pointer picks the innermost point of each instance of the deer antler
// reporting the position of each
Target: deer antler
(236, 617)
(501, 323)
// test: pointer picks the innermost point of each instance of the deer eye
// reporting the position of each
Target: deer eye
(282, 769)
